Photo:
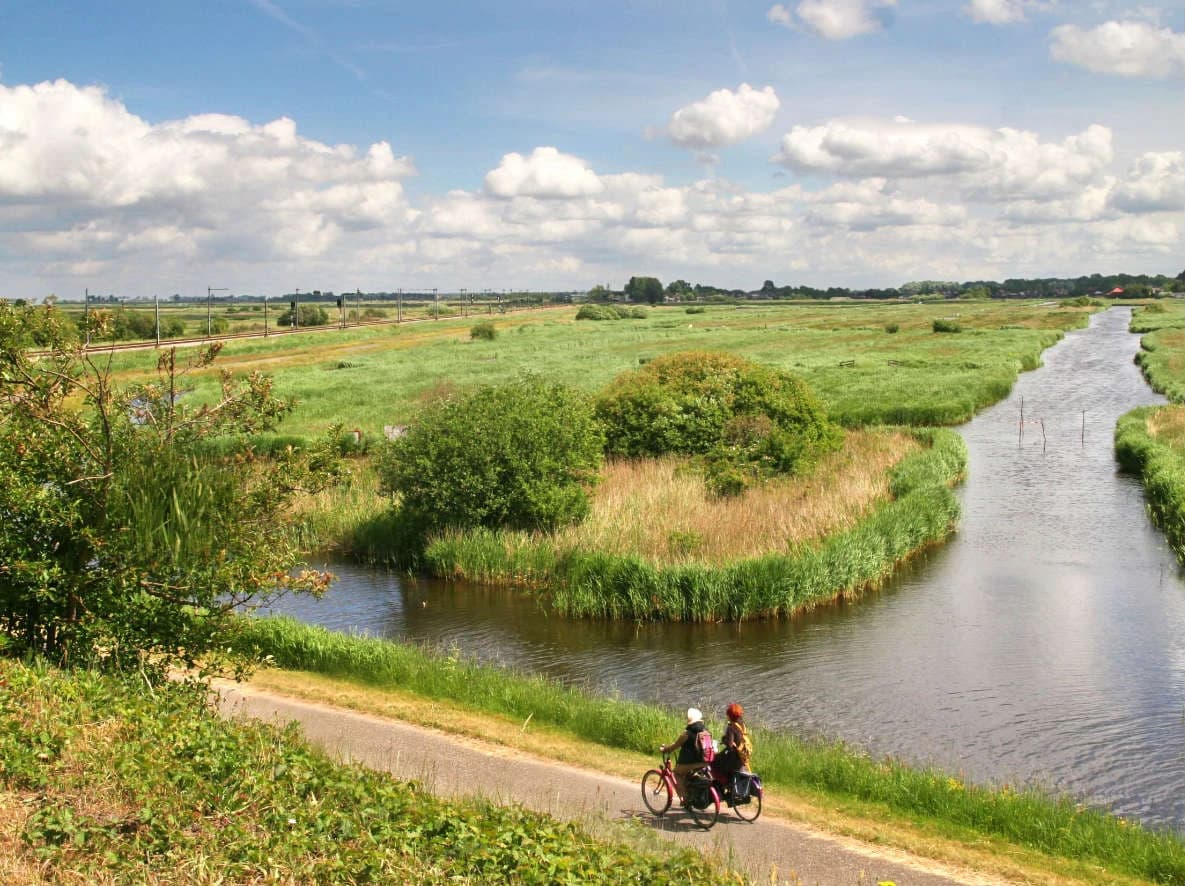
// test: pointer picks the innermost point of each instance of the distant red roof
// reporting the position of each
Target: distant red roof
(1118, 290)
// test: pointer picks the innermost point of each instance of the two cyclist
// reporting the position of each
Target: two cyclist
(694, 740)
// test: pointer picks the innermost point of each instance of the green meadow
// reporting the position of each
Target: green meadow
(370, 377)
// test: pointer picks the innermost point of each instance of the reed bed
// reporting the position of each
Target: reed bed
(660, 509)
(856, 547)
(1026, 816)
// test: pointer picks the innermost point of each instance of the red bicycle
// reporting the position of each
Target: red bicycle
(702, 802)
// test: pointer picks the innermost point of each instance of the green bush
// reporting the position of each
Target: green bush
(754, 418)
(486, 331)
(310, 315)
(696, 309)
(517, 455)
(597, 312)
(892, 327)
(611, 312)
(126, 538)
(941, 325)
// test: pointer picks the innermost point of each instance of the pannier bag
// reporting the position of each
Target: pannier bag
(743, 785)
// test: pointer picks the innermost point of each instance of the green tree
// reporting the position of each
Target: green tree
(518, 455)
(644, 289)
(126, 538)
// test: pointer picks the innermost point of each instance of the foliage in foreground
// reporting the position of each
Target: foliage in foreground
(1160, 464)
(516, 455)
(123, 537)
(1057, 826)
(597, 584)
(130, 787)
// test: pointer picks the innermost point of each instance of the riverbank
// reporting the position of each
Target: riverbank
(1150, 442)
(828, 775)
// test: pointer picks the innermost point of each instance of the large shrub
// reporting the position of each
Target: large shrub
(310, 315)
(125, 532)
(747, 419)
(517, 455)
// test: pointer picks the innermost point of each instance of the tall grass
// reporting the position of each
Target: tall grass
(831, 558)
(1150, 442)
(1057, 826)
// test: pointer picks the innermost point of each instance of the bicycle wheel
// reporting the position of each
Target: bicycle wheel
(749, 811)
(656, 794)
(707, 816)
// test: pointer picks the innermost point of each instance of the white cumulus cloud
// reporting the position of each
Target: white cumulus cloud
(1125, 49)
(724, 117)
(1002, 12)
(546, 173)
(1155, 183)
(833, 19)
(991, 163)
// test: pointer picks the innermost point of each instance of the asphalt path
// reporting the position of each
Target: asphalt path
(451, 766)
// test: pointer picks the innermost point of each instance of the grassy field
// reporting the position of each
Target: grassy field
(1003, 819)
(103, 782)
(371, 377)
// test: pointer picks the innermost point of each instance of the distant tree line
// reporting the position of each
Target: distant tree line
(649, 290)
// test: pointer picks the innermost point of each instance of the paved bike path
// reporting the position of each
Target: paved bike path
(450, 765)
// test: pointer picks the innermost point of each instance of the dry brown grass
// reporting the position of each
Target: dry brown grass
(659, 509)
(1168, 426)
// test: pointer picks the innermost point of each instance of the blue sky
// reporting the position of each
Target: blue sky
(340, 144)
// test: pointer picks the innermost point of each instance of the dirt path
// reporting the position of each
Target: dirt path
(453, 766)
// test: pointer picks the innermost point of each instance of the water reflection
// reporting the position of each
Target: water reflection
(1045, 643)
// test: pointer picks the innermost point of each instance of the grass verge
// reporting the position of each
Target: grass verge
(1075, 837)
(1150, 442)
(580, 581)
(115, 785)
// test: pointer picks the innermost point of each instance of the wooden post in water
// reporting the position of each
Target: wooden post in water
(1043, 440)
(1083, 427)
(1021, 433)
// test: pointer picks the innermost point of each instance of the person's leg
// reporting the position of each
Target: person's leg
(681, 772)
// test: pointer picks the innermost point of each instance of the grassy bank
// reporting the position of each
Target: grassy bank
(1150, 442)
(102, 781)
(1056, 827)
(686, 575)
(1162, 354)
(367, 378)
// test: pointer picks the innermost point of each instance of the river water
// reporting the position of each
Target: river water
(1044, 644)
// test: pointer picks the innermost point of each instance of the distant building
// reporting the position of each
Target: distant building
(1118, 290)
